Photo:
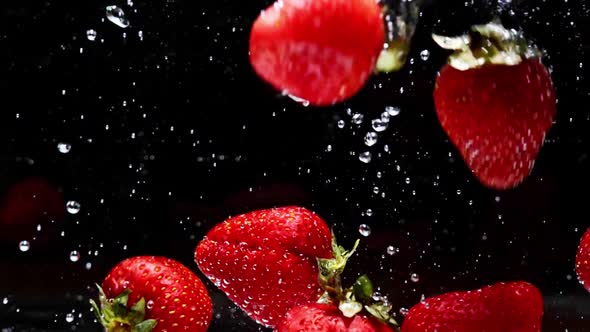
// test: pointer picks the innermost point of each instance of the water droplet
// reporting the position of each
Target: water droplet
(69, 317)
(64, 147)
(5, 300)
(375, 190)
(91, 34)
(371, 138)
(365, 157)
(392, 110)
(403, 311)
(357, 118)
(73, 207)
(88, 266)
(385, 117)
(117, 16)
(391, 250)
(149, 304)
(414, 277)
(369, 212)
(424, 55)
(329, 148)
(74, 256)
(24, 246)
(407, 180)
(341, 124)
(365, 230)
(379, 125)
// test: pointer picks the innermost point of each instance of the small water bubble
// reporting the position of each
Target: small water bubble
(149, 305)
(91, 34)
(407, 180)
(378, 125)
(371, 138)
(341, 124)
(403, 311)
(357, 118)
(74, 256)
(392, 110)
(414, 277)
(365, 230)
(5, 300)
(369, 212)
(329, 148)
(424, 55)
(375, 190)
(69, 317)
(73, 207)
(117, 16)
(391, 250)
(64, 147)
(385, 117)
(24, 246)
(365, 157)
(88, 266)
(140, 35)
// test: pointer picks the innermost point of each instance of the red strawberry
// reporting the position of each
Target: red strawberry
(26, 204)
(321, 51)
(326, 317)
(503, 307)
(265, 261)
(495, 104)
(583, 260)
(150, 293)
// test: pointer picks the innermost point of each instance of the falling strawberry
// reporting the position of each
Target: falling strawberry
(583, 260)
(265, 261)
(149, 293)
(496, 102)
(318, 51)
(317, 317)
(503, 307)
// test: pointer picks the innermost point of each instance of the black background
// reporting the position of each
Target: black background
(250, 148)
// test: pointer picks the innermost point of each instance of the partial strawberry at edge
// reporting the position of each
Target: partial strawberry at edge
(265, 261)
(153, 294)
(502, 307)
(317, 317)
(496, 104)
(583, 261)
(320, 51)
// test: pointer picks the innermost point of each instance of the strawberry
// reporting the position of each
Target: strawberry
(583, 261)
(265, 261)
(496, 102)
(29, 203)
(149, 293)
(317, 51)
(317, 317)
(503, 307)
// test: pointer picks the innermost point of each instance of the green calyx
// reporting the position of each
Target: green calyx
(400, 20)
(355, 299)
(485, 44)
(116, 316)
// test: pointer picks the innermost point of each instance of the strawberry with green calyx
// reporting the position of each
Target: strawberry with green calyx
(496, 102)
(117, 316)
(340, 309)
(153, 294)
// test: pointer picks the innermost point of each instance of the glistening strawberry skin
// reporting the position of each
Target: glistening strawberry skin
(265, 261)
(583, 260)
(176, 298)
(497, 116)
(503, 307)
(316, 317)
(322, 51)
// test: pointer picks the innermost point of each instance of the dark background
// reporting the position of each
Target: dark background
(212, 140)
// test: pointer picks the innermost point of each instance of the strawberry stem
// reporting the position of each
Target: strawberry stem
(490, 43)
(115, 315)
(355, 299)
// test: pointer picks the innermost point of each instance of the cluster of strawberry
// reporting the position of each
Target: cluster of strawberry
(282, 266)
(494, 98)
